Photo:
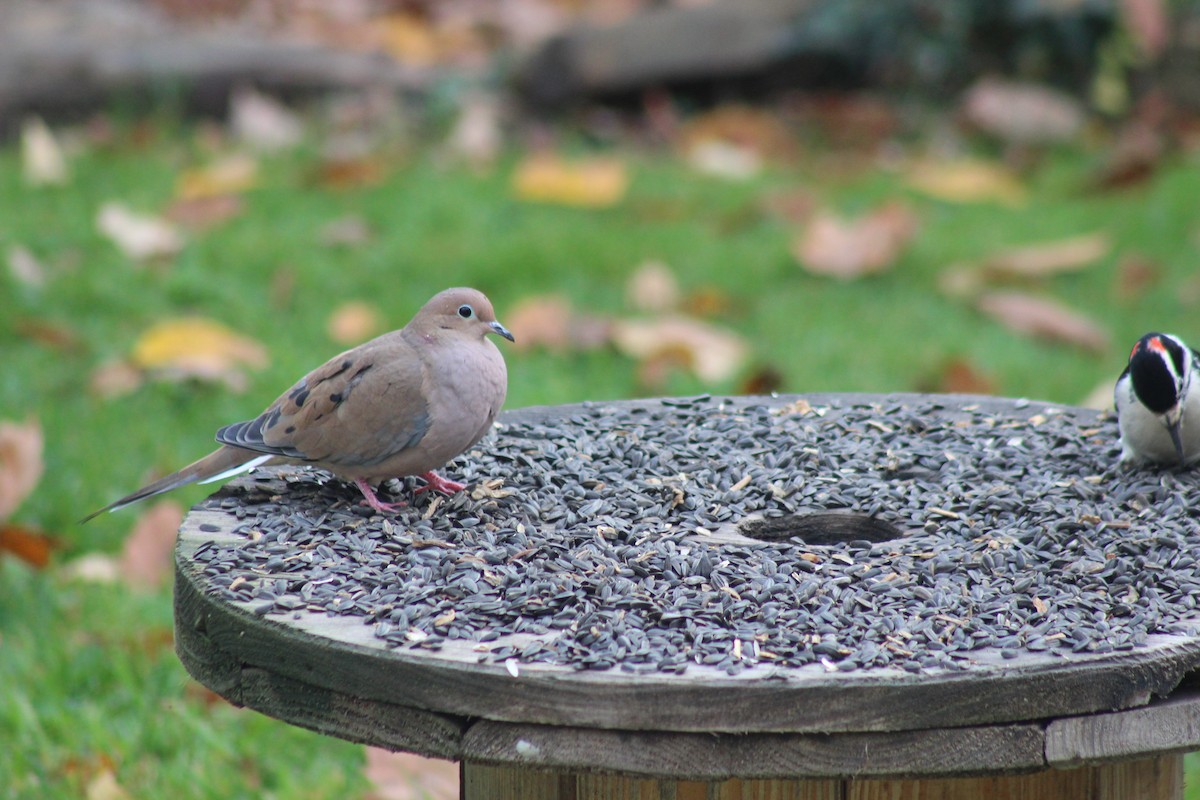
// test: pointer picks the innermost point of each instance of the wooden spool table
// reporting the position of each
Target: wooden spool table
(1031, 724)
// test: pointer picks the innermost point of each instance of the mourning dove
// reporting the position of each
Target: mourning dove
(402, 404)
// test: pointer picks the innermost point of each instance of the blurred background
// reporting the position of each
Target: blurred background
(201, 200)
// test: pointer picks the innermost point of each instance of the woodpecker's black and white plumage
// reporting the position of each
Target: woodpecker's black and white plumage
(1158, 402)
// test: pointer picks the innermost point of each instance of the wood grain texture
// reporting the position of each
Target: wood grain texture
(754, 730)
(341, 653)
(336, 714)
(714, 757)
(1171, 725)
(482, 782)
(1148, 779)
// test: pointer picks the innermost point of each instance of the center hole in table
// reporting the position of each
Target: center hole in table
(820, 528)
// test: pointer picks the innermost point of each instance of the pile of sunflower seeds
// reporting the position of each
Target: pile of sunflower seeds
(623, 535)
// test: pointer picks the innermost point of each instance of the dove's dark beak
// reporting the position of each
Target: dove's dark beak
(500, 330)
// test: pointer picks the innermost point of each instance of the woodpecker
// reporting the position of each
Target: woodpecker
(1158, 403)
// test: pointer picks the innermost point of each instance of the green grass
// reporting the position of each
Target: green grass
(88, 670)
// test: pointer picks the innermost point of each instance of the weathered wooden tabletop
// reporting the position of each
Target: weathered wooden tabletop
(330, 674)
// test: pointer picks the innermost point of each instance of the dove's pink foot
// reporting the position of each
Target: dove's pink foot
(373, 501)
(438, 483)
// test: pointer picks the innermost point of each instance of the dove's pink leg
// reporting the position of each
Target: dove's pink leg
(437, 482)
(373, 501)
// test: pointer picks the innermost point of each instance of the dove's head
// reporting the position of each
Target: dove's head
(467, 311)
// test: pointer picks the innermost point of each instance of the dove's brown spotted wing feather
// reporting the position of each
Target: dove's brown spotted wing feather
(361, 409)
(405, 403)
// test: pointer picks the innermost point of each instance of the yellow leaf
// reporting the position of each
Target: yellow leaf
(20, 463)
(408, 38)
(589, 183)
(196, 347)
(229, 175)
(968, 181)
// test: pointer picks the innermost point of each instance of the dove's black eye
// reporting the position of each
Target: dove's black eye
(465, 311)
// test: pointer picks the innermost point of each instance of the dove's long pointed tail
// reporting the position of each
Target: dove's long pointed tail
(222, 463)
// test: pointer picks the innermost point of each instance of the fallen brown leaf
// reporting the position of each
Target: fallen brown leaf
(1133, 158)
(55, 335)
(140, 236)
(713, 354)
(586, 183)
(541, 321)
(403, 776)
(21, 463)
(957, 375)
(476, 137)
(115, 378)
(851, 119)
(846, 249)
(201, 694)
(31, 545)
(652, 287)
(1135, 274)
(195, 347)
(354, 322)
(1023, 113)
(764, 380)
(146, 557)
(352, 172)
(735, 141)
(1148, 23)
(708, 301)
(1043, 318)
(202, 213)
(792, 206)
(1049, 258)
(348, 231)
(42, 159)
(1026, 263)
(263, 122)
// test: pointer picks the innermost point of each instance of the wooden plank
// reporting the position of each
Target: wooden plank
(716, 757)
(486, 782)
(341, 653)
(367, 722)
(1171, 725)
(1149, 779)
